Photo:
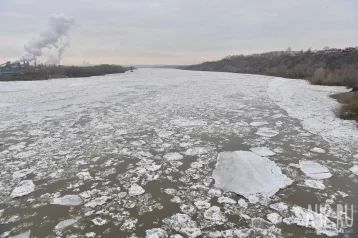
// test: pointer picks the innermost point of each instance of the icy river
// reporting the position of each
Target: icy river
(168, 153)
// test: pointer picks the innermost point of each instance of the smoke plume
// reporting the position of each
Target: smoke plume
(51, 37)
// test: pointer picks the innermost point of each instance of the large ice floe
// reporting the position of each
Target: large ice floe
(249, 175)
(314, 170)
(23, 188)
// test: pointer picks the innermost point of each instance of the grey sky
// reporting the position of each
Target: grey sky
(180, 31)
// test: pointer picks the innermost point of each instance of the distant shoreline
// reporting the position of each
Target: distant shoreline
(52, 72)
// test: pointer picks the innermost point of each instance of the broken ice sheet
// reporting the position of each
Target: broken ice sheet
(262, 151)
(317, 184)
(249, 175)
(67, 200)
(314, 170)
(23, 188)
(66, 223)
(266, 132)
(135, 190)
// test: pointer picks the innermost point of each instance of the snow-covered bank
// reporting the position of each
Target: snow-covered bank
(312, 105)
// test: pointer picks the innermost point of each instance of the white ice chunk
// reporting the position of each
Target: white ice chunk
(99, 221)
(314, 170)
(214, 214)
(262, 151)
(258, 123)
(165, 134)
(184, 122)
(66, 223)
(196, 151)
(23, 188)
(226, 200)
(156, 233)
(184, 224)
(84, 175)
(97, 201)
(173, 156)
(280, 206)
(308, 218)
(354, 169)
(242, 203)
(317, 184)
(266, 132)
(202, 204)
(318, 150)
(248, 174)
(67, 200)
(274, 218)
(135, 190)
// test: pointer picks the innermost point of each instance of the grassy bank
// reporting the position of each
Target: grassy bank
(349, 108)
(50, 72)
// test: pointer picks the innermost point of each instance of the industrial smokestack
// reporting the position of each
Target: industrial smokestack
(57, 28)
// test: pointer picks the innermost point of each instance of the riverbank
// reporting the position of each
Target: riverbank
(52, 72)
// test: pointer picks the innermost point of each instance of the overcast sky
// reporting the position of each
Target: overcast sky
(180, 31)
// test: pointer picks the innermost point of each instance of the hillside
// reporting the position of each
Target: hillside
(333, 68)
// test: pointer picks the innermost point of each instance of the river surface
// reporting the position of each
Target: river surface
(136, 153)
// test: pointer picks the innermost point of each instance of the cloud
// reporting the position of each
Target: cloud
(184, 31)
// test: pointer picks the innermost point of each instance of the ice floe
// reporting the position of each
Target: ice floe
(202, 204)
(184, 122)
(317, 184)
(215, 215)
(280, 206)
(308, 218)
(98, 221)
(66, 223)
(135, 190)
(184, 224)
(23, 188)
(267, 132)
(97, 201)
(314, 170)
(156, 233)
(262, 151)
(274, 218)
(354, 169)
(318, 150)
(165, 134)
(226, 200)
(173, 156)
(196, 151)
(67, 200)
(249, 175)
